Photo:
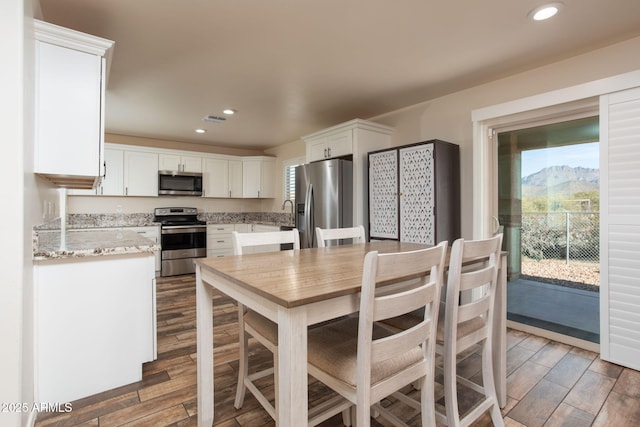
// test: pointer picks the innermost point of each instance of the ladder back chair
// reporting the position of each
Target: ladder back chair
(468, 321)
(330, 234)
(256, 325)
(363, 361)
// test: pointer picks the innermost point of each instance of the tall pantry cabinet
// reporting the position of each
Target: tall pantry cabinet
(414, 193)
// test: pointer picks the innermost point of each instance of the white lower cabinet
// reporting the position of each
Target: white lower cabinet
(219, 238)
(152, 233)
(95, 324)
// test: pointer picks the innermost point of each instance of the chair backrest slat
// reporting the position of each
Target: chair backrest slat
(424, 270)
(329, 234)
(473, 269)
(241, 240)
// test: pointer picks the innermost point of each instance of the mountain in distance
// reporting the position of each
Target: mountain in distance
(560, 181)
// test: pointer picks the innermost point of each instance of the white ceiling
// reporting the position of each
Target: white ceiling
(292, 67)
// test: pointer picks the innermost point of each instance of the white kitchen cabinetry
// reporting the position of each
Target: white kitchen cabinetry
(181, 163)
(219, 240)
(222, 177)
(235, 178)
(414, 193)
(152, 233)
(95, 324)
(140, 173)
(258, 175)
(70, 76)
(356, 138)
(112, 183)
(338, 144)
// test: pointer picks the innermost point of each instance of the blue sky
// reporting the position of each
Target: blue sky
(585, 155)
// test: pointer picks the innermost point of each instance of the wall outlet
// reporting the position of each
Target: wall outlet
(119, 209)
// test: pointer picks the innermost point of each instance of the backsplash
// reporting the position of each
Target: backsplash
(110, 220)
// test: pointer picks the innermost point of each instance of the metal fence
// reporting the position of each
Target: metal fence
(561, 235)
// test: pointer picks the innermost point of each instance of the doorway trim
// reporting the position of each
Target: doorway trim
(555, 106)
(562, 103)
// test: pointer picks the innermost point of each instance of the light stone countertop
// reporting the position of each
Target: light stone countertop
(49, 245)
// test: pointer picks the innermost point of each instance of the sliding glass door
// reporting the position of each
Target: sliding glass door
(548, 206)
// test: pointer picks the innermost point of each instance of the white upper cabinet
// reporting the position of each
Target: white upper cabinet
(235, 178)
(222, 177)
(176, 162)
(215, 177)
(329, 146)
(140, 173)
(258, 177)
(70, 75)
(113, 182)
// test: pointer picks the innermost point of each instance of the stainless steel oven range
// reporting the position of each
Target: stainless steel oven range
(183, 238)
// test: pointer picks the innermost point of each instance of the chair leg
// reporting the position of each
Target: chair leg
(363, 414)
(451, 390)
(275, 385)
(243, 359)
(489, 385)
(427, 400)
(346, 417)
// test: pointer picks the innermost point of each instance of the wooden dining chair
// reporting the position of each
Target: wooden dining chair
(365, 362)
(468, 321)
(256, 325)
(331, 234)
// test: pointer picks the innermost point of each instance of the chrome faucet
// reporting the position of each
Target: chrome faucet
(285, 203)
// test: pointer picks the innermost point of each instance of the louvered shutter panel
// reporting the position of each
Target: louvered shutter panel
(620, 228)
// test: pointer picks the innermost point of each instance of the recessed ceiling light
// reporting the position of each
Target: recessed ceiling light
(201, 130)
(545, 11)
(229, 111)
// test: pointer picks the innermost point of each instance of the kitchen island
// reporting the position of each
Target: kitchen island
(94, 309)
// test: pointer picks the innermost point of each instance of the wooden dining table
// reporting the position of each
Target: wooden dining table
(296, 289)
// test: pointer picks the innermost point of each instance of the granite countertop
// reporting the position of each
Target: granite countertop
(86, 243)
(88, 221)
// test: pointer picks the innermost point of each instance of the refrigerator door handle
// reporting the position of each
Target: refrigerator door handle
(312, 219)
(307, 217)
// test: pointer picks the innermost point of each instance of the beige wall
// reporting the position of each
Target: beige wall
(177, 145)
(449, 117)
(23, 197)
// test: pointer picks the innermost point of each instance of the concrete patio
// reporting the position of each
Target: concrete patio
(560, 309)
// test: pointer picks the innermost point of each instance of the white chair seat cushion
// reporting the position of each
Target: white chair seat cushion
(333, 349)
(262, 326)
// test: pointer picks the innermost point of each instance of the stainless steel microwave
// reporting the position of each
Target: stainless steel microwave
(177, 183)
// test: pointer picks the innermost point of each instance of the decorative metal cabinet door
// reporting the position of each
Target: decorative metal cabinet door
(383, 194)
(417, 198)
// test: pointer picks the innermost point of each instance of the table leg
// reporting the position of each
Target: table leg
(291, 404)
(204, 322)
(500, 334)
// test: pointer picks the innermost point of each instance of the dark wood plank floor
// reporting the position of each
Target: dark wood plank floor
(549, 383)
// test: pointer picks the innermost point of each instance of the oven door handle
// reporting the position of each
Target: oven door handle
(181, 229)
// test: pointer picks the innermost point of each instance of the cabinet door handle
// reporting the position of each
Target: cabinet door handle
(325, 152)
(229, 193)
(126, 191)
(329, 151)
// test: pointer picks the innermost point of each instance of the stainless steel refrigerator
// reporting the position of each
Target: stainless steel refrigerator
(324, 198)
